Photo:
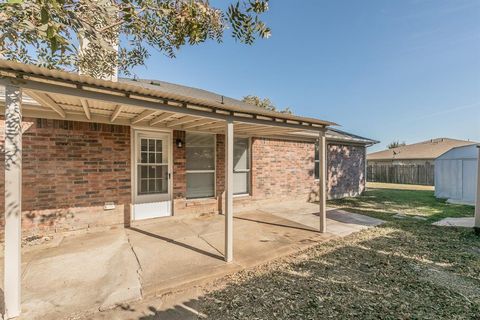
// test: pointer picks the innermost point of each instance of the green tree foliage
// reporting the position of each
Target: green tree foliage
(49, 32)
(396, 144)
(265, 103)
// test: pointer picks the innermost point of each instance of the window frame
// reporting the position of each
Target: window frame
(316, 175)
(214, 171)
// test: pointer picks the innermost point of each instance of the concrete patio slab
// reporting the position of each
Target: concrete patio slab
(160, 258)
(467, 222)
(81, 273)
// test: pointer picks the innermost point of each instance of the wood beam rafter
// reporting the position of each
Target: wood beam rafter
(198, 123)
(164, 116)
(143, 115)
(86, 108)
(116, 96)
(218, 124)
(180, 121)
(47, 102)
(116, 113)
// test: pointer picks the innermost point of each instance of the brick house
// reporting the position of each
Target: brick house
(94, 153)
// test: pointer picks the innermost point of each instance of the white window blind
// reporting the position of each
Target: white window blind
(241, 166)
(200, 165)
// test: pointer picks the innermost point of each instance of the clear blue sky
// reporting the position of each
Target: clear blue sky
(405, 70)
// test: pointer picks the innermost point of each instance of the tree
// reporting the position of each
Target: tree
(49, 33)
(396, 144)
(264, 103)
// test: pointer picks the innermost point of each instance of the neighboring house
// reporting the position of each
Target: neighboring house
(410, 164)
(456, 175)
(93, 153)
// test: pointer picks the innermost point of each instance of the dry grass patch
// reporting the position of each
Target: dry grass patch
(404, 269)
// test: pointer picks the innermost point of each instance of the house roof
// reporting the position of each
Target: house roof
(331, 134)
(163, 90)
(66, 104)
(430, 149)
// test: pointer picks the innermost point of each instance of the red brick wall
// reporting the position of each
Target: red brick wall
(179, 160)
(282, 168)
(70, 169)
(346, 170)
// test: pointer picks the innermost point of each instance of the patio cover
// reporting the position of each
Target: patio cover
(55, 94)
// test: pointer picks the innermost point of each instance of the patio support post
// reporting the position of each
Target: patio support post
(322, 185)
(477, 204)
(13, 200)
(229, 190)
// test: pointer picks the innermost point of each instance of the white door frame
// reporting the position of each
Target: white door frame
(136, 132)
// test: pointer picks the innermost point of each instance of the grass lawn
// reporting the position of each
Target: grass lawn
(404, 269)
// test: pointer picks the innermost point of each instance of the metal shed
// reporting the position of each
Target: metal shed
(456, 175)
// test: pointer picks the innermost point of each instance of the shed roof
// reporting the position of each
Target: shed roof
(462, 152)
(429, 149)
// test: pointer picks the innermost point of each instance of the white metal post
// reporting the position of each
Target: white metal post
(229, 191)
(477, 204)
(322, 193)
(13, 200)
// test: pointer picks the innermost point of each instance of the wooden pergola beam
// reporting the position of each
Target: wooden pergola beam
(164, 116)
(215, 125)
(476, 225)
(322, 184)
(180, 121)
(198, 123)
(86, 108)
(116, 113)
(47, 102)
(143, 115)
(13, 201)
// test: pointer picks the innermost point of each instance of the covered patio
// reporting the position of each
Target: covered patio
(36, 92)
(88, 271)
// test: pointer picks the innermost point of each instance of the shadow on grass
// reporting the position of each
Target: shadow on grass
(384, 203)
(383, 273)
(403, 269)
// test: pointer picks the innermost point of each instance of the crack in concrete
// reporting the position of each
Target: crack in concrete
(209, 244)
(201, 238)
(139, 269)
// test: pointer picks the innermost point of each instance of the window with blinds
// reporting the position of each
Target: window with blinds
(241, 166)
(200, 165)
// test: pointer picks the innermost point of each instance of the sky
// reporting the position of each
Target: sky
(406, 70)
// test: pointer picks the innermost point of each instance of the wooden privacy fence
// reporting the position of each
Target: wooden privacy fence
(422, 174)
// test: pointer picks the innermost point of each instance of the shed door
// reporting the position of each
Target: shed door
(152, 176)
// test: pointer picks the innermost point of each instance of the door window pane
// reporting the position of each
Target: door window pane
(152, 168)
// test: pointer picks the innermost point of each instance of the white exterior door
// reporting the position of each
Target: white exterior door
(152, 187)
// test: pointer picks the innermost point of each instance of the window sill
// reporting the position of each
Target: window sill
(241, 195)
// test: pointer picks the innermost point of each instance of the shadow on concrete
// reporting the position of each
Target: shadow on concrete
(382, 265)
(183, 245)
(278, 224)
